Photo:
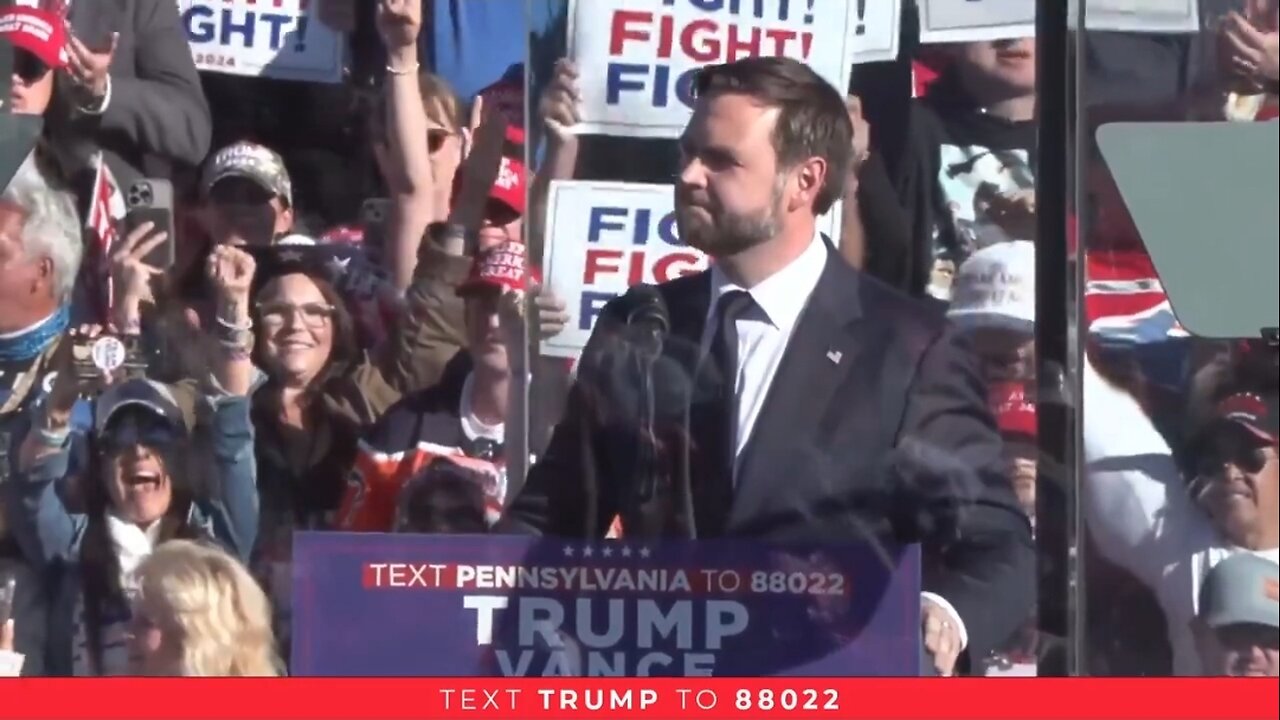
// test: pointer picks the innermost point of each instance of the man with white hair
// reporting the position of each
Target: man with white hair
(40, 251)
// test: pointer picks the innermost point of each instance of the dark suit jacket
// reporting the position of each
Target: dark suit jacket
(157, 105)
(892, 442)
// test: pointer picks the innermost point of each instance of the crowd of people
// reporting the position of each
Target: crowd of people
(339, 329)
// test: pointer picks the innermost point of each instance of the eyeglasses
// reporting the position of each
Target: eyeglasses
(28, 67)
(314, 315)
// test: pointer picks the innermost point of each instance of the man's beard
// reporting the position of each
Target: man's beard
(724, 233)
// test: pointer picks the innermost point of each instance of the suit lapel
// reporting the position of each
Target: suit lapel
(824, 347)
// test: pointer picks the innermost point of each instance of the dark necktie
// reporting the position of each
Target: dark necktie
(714, 418)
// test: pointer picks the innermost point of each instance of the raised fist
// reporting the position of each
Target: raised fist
(399, 22)
(231, 270)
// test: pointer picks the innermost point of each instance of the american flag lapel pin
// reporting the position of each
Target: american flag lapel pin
(834, 356)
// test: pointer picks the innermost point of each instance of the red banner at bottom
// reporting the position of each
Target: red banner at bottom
(622, 699)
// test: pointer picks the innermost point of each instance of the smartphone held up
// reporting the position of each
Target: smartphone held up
(150, 200)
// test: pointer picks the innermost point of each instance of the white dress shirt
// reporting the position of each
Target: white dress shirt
(763, 333)
(763, 330)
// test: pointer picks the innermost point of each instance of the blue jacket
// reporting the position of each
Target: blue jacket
(50, 535)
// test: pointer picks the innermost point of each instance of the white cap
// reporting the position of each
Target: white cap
(996, 288)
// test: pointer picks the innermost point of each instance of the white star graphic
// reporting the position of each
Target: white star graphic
(644, 552)
(607, 551)
(626, 551)
(587, 551)
(568, 551)
(338, 266)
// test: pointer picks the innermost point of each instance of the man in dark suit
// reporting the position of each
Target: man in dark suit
(130, 87)
(796, 399)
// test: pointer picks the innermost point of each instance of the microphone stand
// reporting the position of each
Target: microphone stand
(646, 447)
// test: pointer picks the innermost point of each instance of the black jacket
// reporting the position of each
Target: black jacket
(157, 107)
(890, 443)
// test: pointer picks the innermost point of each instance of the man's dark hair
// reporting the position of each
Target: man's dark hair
(812, 120)
(444, 498)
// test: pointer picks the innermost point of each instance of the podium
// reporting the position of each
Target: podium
(507, 606)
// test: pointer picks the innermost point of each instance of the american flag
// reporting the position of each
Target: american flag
(106, 209)
(1128, 310)
(1125, 302)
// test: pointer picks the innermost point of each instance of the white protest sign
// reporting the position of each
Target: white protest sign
(948, 21)
(876, 31)
(637, 58)
(1144, 16)
(604, 237)
(279, 39)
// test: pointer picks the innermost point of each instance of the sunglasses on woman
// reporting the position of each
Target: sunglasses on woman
(138, 429)
(28, 67)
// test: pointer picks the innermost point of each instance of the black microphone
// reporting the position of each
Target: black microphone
(648, 325)
(647, 318)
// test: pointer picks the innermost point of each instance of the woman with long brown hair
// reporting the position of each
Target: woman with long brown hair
(137, 484)
(315, 392)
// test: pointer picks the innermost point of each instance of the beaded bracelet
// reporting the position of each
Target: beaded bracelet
(405, 71)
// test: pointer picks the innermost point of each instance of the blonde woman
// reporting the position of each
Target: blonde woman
(199, 612)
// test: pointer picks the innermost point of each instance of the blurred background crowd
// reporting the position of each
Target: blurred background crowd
(228, 312)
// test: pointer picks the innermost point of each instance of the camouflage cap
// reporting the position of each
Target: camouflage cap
(250, 161)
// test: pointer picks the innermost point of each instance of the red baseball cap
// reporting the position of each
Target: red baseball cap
(343, 235)
(506, 95)
(510, 185)
(503, 267)
(511, 182)
(1254, 412)
(39, 31)
(1015, 412)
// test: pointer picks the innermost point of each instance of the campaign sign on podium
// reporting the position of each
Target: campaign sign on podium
(433, 605)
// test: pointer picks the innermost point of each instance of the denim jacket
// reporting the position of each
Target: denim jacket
(50, 535)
